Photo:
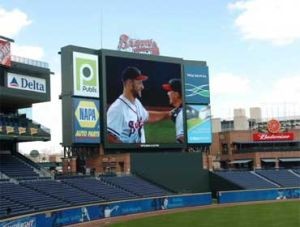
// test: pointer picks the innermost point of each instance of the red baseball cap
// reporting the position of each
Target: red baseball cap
(173, 85)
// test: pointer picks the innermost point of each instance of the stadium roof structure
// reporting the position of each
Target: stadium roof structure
(289, 159)
(240, 161)
(265, 142)
(21, 138)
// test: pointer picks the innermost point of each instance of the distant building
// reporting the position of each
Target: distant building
(254, 143)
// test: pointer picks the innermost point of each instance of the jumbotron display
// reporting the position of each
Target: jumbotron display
(133, 102)
(143, 103)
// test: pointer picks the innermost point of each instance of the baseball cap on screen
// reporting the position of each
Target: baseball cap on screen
(133, 73)
(173, 85)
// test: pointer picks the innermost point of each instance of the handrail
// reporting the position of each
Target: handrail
(29, 61)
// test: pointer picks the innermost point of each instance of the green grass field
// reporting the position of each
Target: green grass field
(193, 122)
(283, 214)
(160, 132)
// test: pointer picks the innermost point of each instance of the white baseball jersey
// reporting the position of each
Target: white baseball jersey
(126, 120)
(179, 125)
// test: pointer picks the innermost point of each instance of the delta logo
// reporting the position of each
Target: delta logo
(87, 114)
(26, 83)
(14, 83)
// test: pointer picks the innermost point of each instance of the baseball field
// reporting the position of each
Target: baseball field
(275, 214)
(160, 132)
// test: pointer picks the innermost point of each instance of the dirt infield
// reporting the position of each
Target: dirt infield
(108, 221)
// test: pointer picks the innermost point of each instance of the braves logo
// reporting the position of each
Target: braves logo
(135, 126)
(138, 45)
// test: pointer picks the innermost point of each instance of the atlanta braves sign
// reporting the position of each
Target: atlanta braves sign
(147, 46)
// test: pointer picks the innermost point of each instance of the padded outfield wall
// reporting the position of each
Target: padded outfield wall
(178, 172)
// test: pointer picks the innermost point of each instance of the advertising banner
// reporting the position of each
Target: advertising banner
(86, 128)
(273, 136)
(196, 84)
(21, 222)
(113, 209)
(258, 195)
(28, 83)
(85, 75)
(5, 57)
(198, 124)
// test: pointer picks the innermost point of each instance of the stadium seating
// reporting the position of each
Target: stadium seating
(10, 207)
(15, 168)
(246, 179)
(62, 191)
(297, 171)
(99, 188)
(136, 185)
(282, 177)
(28, 198)
(18, 124)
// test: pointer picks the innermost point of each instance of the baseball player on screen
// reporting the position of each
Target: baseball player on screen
(126, 115)
(175, 98)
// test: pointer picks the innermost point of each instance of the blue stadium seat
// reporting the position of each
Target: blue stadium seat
(99, 188)
(246, 179)
(136, 186)
(282, 177)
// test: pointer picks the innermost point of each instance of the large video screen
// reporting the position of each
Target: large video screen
(143, 103)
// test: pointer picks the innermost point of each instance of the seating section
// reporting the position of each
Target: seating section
(246, 179)
(297, 171)
(29, 198)
(62, 191)
(282, 177)
(15, 168)
(18, 124)
(100, 189)
(11, 207)
(136, 185)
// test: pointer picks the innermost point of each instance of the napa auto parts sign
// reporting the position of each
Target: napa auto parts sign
(28, 83)
(5, 53)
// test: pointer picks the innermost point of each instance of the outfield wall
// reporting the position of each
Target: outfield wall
(178, 172)
(105, 210)
(258, 195)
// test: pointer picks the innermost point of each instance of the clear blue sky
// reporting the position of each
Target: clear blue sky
(252, 47)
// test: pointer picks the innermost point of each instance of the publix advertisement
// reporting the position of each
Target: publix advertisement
(86, 123)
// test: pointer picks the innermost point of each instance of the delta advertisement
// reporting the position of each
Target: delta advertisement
(196, 84)
(89, 213)
(86, 126)
(28, 83)
(198, 124)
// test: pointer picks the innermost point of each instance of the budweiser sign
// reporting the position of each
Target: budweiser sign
(273, 126)
(147, 46)
(273, 136)
(5, 53)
